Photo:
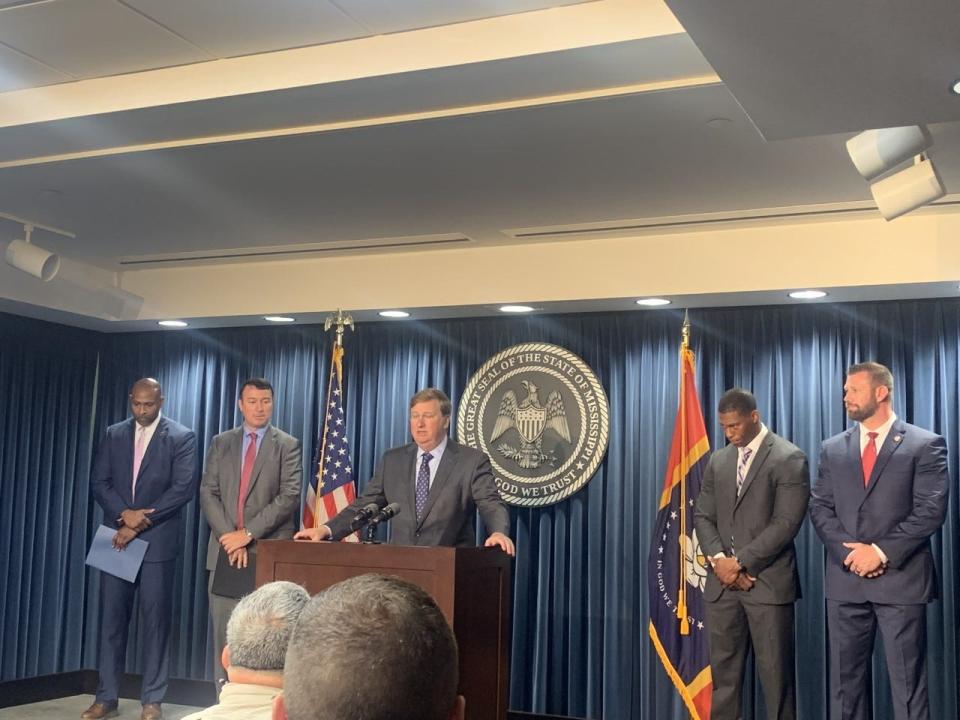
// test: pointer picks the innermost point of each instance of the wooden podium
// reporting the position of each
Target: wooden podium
(471, 586)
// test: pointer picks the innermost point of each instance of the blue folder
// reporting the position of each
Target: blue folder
(125, 564)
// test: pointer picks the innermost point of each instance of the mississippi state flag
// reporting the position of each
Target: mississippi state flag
(676, 567)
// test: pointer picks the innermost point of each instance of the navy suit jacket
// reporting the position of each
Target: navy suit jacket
(167, 481)
(463, 484)
(904, 503)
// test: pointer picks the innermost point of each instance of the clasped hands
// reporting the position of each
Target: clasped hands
(732, 575)
(235, 543)
(863, 560)
(132, 523)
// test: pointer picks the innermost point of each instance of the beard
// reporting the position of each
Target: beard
(863, 412)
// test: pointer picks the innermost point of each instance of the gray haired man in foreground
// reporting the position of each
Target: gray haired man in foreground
(257, 636)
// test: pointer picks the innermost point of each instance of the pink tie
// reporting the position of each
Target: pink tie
(137, 458)
(246, 471)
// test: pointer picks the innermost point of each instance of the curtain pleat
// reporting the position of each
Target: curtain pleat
(579, 644)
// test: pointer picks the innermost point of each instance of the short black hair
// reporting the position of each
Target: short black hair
(361, 622)
(258, 382)
(737, 400)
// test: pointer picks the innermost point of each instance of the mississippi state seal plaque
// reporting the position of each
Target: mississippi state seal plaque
(541, 416)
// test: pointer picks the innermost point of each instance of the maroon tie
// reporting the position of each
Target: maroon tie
(249, 457)
(869, 457)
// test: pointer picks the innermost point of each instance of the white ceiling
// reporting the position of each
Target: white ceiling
(820, 66)
(49, 41)
(601, 132)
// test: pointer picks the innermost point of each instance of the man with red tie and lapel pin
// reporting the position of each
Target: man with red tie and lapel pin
(881, 493)
(144, 472)
(250, 491)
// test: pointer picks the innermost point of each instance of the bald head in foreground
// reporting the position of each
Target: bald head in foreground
(385, 631)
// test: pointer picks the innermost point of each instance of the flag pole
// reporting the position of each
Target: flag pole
(684, 469)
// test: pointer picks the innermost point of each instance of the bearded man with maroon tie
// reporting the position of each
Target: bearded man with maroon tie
(250, 491)
(881, 493)
(144, 473)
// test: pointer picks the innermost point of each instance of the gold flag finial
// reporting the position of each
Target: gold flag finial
(685, 330)
(339, 322)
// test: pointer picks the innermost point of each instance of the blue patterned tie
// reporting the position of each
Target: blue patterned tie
(423, 483)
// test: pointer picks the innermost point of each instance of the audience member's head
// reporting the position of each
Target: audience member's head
(373, 648)
(259, 631)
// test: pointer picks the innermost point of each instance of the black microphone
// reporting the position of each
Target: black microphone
(388, 512)
(362, 518)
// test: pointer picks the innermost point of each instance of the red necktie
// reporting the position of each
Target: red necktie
(249, 457)
(869, 457)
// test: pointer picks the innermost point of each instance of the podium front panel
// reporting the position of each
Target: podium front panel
(470, 585)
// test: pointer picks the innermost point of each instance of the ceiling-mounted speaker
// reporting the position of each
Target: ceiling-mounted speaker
(31, 259)
(907, 190)
(120, 304)
(874, 152)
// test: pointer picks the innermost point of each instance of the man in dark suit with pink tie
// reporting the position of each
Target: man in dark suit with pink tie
(880, 495)
(144, 472)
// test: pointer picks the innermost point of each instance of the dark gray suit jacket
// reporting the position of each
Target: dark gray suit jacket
(273, 498)
(463, 484)
(760, 525)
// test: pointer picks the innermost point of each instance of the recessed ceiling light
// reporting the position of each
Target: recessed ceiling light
(653, 302)
(278, 318)
(172, 323)
(807, 294)
(394, 313)
(719, 122)
(516, 308)
(956, 87)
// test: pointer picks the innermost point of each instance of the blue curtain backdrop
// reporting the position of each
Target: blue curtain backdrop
(580, 646)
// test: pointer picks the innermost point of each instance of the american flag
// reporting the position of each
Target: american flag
(331, 489)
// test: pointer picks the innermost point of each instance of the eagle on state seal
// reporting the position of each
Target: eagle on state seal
(530, 418)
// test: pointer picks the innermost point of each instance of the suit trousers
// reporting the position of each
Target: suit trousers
(155, 583)
(853, 628)
(737, 625)
(220, 610)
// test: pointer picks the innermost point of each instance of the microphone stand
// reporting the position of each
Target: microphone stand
(369, 533)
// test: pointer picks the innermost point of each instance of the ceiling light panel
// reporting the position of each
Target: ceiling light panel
(229, 28)
(17, 71)
(93, 38)
(386, 16)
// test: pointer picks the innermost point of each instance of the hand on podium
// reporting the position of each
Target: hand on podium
(315, 534)
(498, 539)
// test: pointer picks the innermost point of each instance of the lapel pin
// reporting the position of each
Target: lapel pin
(897, 438)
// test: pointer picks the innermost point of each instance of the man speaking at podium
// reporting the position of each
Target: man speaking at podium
(437, 483)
